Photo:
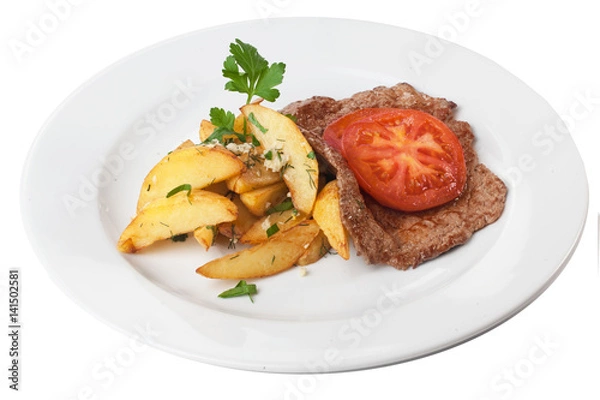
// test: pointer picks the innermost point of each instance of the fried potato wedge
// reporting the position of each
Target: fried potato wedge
(259, 200)
(261, 230)
(279, 134)
(328, 215)
(245, 220)
(316, 250)
(181, 213)
(240, 125)
(254, 177)
(206, 129)
(198, 166)
(277, 254)
(206, 235)
(185, 145)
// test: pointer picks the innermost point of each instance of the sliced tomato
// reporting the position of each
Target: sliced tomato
(333, 132)
(405, 159)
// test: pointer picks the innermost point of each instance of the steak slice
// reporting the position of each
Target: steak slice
(383, 235)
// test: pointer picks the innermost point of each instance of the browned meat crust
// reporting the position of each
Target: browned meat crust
(383, 235)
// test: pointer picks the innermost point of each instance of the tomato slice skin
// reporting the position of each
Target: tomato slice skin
(333, 132)
(407, 160)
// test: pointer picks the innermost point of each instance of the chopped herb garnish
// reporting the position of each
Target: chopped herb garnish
(163, 224)
(291, 116)
(179, 238)
(311, 155)
(213, 228)
(269, 155)
(273, 229)
(241, 289)
(273, 260)
(258, 77)
(284, 168)
(283, 206)
(310, 178)
(257, 124)
(186, 187)
(148, 189)
(233, 239)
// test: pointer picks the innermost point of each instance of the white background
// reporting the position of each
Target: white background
(552, 46)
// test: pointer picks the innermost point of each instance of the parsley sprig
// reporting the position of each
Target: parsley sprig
(241, 289)
(248, 72)
(224, 121)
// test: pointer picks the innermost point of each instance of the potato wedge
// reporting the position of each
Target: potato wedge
(218, 188)
(206, 129)
(254, 177)
(277, 254)
(198, 166)
(259, 200)
(245, 220)
(278, 133)
(317, 249)
(206, 235)
(185, 145)
(240, 124)
(328, 216)
(181, 213)
(259, 232)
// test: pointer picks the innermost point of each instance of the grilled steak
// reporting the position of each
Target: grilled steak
(383, 235)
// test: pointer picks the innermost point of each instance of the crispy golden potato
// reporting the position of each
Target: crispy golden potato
(240, 124)
(264, 227)
(278, 133)
(206, 129)
(254, 177)
(277, 254)
(259, 200)
(317, 249)
(183, 212)
(245, 220)
(206, 235)
(328, 216)
(198, 166)
(219, 188)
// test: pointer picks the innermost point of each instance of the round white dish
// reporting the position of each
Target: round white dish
(83, 174)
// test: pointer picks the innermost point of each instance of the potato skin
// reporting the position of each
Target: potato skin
(328, 215)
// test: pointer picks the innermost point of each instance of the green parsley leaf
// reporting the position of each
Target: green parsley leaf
(179, 238)
(181, 188)
(283, 206)
(241, 289)
(291, 116)
(255, 122)
(256, 77)
(269, 155)
(220, 117)
(273, 229)
(311, 155)
(270, 78)
(224, 121)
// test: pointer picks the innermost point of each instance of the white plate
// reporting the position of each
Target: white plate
(84, 171)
